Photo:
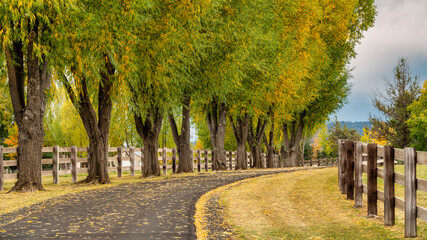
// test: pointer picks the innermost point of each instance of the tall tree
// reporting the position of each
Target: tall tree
(182, 140)
(30, 38)
(91, 72)
(399, 93)
(340, 28)
(165, 55)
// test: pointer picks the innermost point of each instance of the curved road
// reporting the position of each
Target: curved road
(158, 209)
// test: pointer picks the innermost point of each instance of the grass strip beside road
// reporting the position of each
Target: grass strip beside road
(299, 205)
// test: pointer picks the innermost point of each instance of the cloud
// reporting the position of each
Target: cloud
(399, 31)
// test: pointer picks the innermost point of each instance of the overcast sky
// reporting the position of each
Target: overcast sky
(400, 30)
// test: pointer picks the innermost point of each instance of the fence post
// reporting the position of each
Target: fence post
(358, 174)
(55, 172)
(410, 192)
(132, 161)
(318, 162)
(343, 163)
(119, 161)
(246, 160)
(231, 159)
(164, 161)
(173, 160)
(206, 160)
(372, 179)
(199, 160)
(74, 163)
(389, 201)
(1, 169)
(340, 184)
(251, 160)
(349, 146)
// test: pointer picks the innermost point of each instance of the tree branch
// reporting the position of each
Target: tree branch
(174, 128)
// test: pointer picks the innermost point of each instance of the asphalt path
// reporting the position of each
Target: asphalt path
(157, 209)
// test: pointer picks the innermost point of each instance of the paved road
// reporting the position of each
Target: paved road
(158, 209)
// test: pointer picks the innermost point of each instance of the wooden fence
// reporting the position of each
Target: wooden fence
(73, 161)
(356, 158)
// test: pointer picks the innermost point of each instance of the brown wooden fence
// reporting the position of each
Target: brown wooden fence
(73, 161)
(356, 158)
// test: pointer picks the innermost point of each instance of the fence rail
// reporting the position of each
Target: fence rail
(356, 158)
(73, 161)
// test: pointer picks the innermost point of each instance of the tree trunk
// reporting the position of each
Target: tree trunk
(270, 145)
(98, 160)
(151, 162)
(216, 120)
(302, 151)
(182, 141)
(241, 130)
(97, 126)
(291, 145)
(149, 130)
(28, 115)
(255, 140)
(283, 157)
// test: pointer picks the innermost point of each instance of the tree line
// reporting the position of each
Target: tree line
(269, 70)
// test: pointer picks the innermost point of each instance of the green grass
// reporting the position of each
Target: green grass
(400, 193)
(300, 205)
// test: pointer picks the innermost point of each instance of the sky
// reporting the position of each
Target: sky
(400, 30)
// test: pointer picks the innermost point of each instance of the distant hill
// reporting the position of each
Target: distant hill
(353, 125)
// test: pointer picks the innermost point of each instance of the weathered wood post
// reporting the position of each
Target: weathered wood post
(340, 183)
(165, 161)
(343, 165)
(231, 159)
(311, 162)
(318, 162)
(55, 164)
(173, 160)
(410, 192)
(372, 179)
(246, 159)
(199, 160)
(1, 169)
(358, 174)
(119, 161)
(349, 146)
(389, 200)
(132, 161)
(74, 163)
(206, 160)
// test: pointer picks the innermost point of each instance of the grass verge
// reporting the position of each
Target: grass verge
(299, 205)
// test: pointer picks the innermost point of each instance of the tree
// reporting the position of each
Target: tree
(182, 140)
(367, 137)
(62, 122)
(340, 28)
(393, 105)
(93, 72)
(30, 38)
(418, 120)
(165, 58)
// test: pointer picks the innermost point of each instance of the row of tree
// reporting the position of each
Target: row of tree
(258, 64)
